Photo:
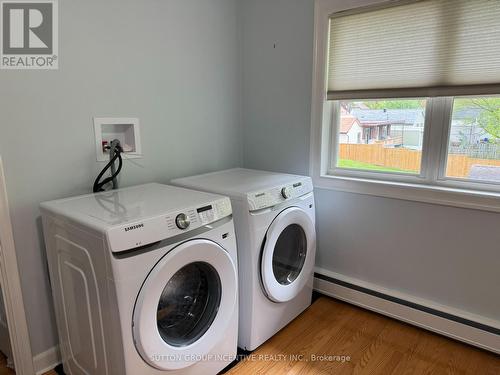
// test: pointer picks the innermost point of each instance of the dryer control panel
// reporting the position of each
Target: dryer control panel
(259, 200)
(168, 225)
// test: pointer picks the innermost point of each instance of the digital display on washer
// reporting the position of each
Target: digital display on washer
(203, 209)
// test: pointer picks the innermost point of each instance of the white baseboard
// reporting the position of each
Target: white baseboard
(450, 328)
(46, 360)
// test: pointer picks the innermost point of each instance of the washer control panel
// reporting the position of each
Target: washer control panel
(166, 226)
(198, 216)
(271, 197)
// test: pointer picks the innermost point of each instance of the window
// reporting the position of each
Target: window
(391, 140)
(387, 136)
(474, 140)
(408, 93)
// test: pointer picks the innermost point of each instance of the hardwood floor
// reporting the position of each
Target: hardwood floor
(358, 342)
(4, 370)
(374, 344)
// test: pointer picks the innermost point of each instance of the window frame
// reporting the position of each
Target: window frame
(431, 185)
(349, 172)
(445, 180)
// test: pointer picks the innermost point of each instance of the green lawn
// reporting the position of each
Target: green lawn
(353, 164)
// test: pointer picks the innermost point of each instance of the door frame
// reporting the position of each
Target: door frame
(11, 289)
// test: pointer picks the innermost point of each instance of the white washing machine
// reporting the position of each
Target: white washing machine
(144, 281)
(274, 218)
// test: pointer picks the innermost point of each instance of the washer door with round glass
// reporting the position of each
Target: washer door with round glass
(288, 254)
(185, 305)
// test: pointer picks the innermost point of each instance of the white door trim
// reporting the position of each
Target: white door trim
(11, 289)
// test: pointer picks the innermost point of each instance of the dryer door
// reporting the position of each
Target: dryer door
(288, 254)
(185, 305)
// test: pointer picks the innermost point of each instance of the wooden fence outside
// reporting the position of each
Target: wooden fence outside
(408, 160)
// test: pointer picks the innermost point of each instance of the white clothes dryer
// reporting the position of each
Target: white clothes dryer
(275, 228)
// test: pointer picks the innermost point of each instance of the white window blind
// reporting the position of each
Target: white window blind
(417, 48)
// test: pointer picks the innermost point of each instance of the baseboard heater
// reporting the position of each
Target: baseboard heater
(457, 327)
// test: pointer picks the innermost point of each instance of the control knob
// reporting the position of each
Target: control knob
(182, 221)
(285, 192)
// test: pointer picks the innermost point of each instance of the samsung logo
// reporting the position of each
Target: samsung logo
(133, 227)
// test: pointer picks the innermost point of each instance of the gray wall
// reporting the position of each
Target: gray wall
(444, 254)
(277, 68)
(174, 64)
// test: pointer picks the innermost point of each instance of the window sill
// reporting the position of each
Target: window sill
(473, 199)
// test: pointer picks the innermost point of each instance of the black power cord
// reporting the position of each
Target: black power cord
(115, 153)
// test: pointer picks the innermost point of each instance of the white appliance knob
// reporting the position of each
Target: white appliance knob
(285, 193)
(182, 221)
